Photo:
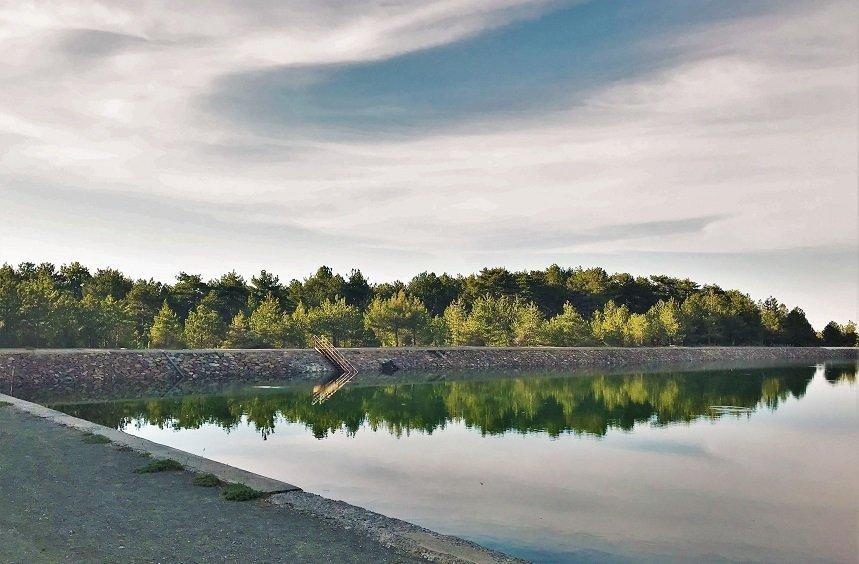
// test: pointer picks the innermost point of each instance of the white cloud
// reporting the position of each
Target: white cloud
(754, 121)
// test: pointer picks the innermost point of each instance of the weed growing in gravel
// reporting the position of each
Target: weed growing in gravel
(93, 439)
(206, 480)
(160, 465)
(4, 404)
(239, 492)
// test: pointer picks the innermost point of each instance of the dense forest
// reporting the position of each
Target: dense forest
(42, 306)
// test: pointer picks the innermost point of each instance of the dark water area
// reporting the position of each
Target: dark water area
(742, 464)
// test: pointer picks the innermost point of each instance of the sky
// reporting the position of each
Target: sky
(715, 140)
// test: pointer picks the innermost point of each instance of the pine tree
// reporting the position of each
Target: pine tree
(608, 325)
(797, 330)
(166, 330)
(637, 330)
(203, 328)
(394, 319)
(665, 323)
(240, 335)
(459, 326)
(528, 325)
(336, 320)
(567, 329)
(266, 322)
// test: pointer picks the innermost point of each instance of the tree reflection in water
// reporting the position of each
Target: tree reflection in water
(554, 405)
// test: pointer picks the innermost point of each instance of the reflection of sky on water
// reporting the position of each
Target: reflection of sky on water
(773, 485)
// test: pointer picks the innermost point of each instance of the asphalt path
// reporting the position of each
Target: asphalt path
(64, 500)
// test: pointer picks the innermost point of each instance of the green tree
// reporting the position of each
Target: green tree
(567, 329)
(397, 317)
(143, 300)
(321, 286)
(300, 325)
(832, 335)
(546, 289)
(637, 330)
(101, 323)
(204, 328)
(638, 294)
(490, 322)
(229, 295)
(78, 323)
(493, 282)
(528, 324)
(240, 335)
(73, 278)
(773, 314)
(166, 331)
(262, 285)
(435, 292)
(460, 327)
(336, 320)
(608, 325)
(186, 293)
(267, 322)
(437, 333)
(588, 290)
(8, 306)
(107, 282)
(387, 290)
(666, 322)
(356, 290)
(851, 339)
(798, 331)
(119, 322)
(37, 324)
(835, 335)
(493, 319)
(707, 318)
(667, 288)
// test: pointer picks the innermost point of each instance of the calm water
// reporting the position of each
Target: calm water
(744, 464)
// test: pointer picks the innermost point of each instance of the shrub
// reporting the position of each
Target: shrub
(206, 480)
(161, 465)
(93, 439)
(239, 492)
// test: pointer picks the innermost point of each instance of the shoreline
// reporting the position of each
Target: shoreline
(419, 377)
(40, 374)
(388, 532)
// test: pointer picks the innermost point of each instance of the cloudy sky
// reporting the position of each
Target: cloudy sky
(710, 139)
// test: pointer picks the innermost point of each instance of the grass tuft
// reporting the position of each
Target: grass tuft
(239, 492)
(206, 480)
(160, 465)
(5, 404)
(93, 439)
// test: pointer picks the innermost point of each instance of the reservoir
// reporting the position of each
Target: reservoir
(753, 464)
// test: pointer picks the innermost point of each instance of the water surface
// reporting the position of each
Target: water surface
(742, 464)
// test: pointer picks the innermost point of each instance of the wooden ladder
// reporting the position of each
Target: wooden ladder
(336, 358)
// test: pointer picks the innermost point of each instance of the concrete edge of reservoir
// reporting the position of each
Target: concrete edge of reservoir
(191, 462)
(388, 531)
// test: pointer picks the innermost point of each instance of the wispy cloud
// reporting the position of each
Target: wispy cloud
(440, 131)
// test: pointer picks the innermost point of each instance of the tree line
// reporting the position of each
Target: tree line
(71, 307)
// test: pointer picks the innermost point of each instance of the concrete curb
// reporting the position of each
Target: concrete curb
(191, 462)
(388, 531)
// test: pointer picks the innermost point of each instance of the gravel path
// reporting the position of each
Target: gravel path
(62, 499)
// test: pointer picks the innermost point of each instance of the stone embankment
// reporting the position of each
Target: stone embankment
(101, 374)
